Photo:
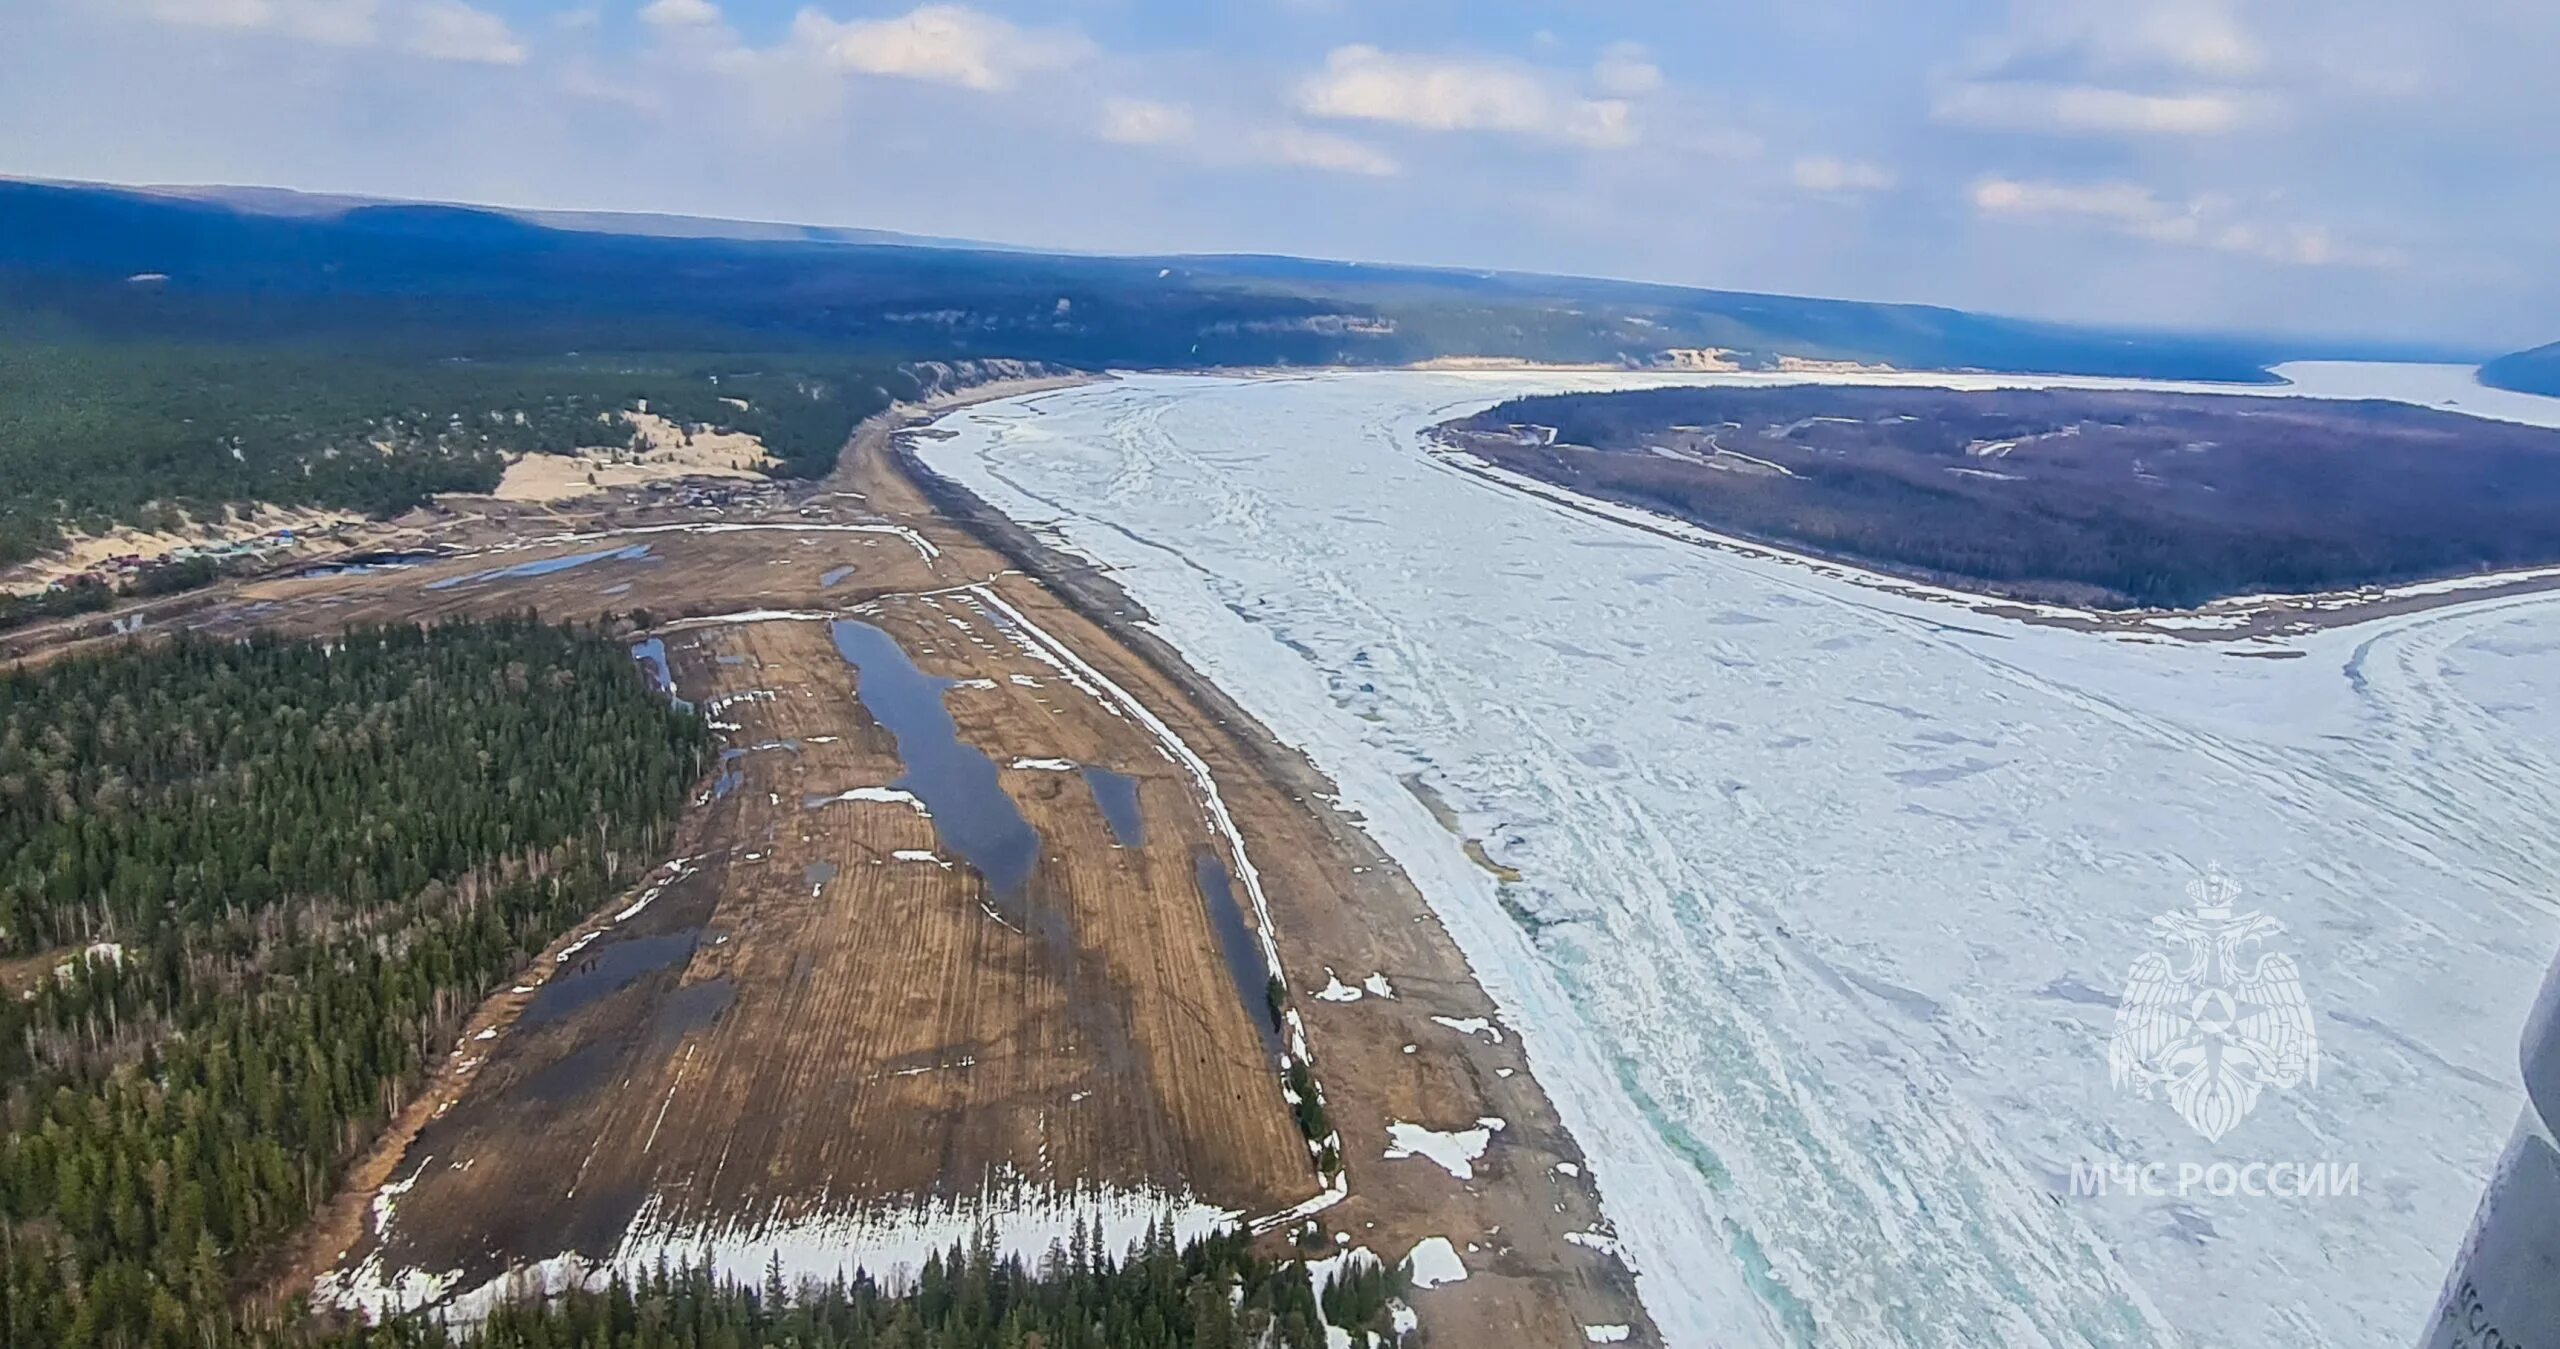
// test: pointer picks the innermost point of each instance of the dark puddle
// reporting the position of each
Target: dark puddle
(972, 816)
(726, 783)
(691, 1008)
(828, 581)
(652, 655)
(605, 968)
(366, 564)
(817, 874)
(575, 1073)
(638, 552)
(679, 1014)
(1116, 794)
(1236, 943)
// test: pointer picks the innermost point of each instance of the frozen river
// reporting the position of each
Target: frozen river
(1828, 895)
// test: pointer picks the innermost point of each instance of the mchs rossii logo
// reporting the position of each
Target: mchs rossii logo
(2211, 1021)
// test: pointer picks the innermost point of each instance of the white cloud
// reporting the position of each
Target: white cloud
(2198, 37)
(335, 23)
(680, 13)
(2082, 108)
(2203, 38)
(1824, 173)
(2204, 222)
(940, 44)
(442, 30)
(1141, 121)
(2123, 202)
(1308, 149)
(1443, 93)
(215, 13)
(2156, 39)
(449, 30)
(1625, 70)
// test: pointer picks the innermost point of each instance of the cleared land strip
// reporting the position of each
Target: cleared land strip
(826, 1040)
(822, 1063)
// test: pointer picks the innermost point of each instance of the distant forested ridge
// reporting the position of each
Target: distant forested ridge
(161, 352)
(2115, 499)
(489, 283)
(250, 891)
(2535, 371)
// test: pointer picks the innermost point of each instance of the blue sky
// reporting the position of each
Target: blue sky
(2362, 167)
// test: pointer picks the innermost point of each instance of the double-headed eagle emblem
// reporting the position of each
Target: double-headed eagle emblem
(2214, 1021)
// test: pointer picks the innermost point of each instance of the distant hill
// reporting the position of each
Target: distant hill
(2535, 371)
(166, 351)
(244, 263)
(287, 201)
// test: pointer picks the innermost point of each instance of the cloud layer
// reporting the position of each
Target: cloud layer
(940, 44)
(2339, 165)
(1460, 93)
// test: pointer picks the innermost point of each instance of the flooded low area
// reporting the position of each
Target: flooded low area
(691, 1008)
(1116, 795)
(1236, 944)
(652, 654)
(958, 785)
(604, 969)
(575, 1073)
(366, 564)
(834, 576)
(638, 552)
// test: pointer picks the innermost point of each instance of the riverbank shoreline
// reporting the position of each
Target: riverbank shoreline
(1528, 1220)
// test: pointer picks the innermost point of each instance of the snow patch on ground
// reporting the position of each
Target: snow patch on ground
(1472, 1025)
(890, 1241)
(892, 796)
(1453, 1151)
(1435, 1262)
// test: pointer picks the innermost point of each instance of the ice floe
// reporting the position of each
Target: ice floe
(1817, 961)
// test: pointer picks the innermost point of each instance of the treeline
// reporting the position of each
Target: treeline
(152, 433)
(256, 889)
(1213, 1293)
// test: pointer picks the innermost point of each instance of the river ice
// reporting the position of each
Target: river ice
(1828, 893)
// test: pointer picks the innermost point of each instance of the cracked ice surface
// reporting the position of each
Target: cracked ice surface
(1827, 892)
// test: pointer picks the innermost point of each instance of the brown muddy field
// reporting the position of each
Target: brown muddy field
(819, 1014)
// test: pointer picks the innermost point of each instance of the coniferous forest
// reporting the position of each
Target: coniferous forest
(249, 892)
